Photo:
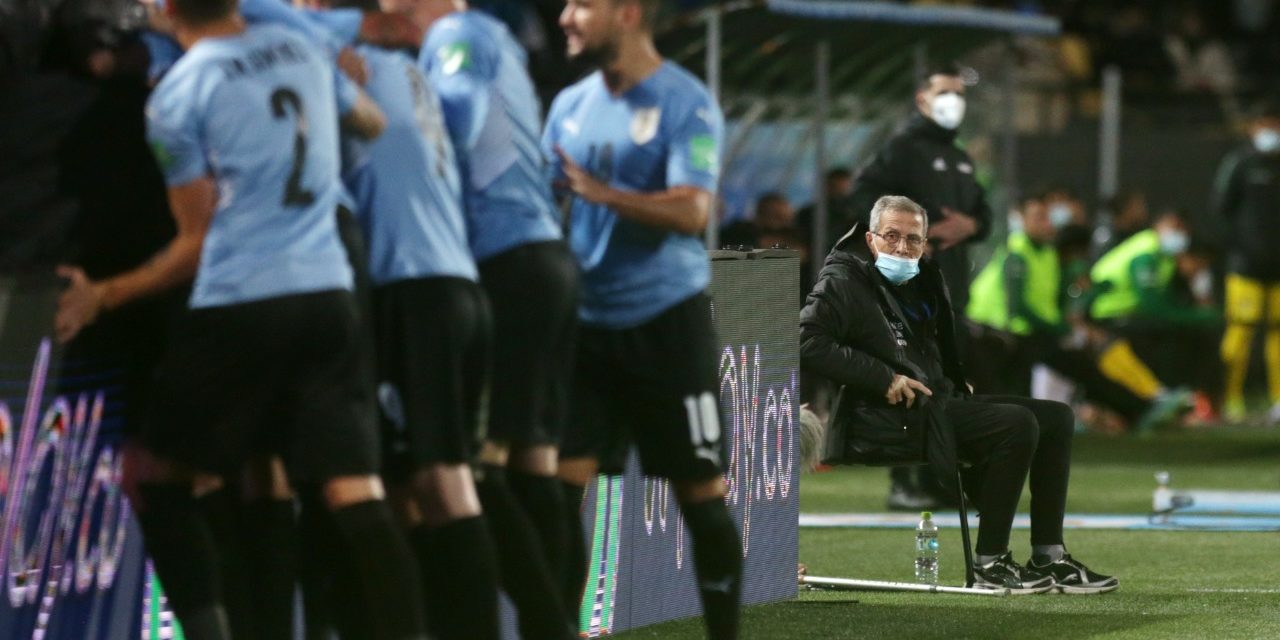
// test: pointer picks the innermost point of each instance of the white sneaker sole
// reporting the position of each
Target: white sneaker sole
(1085, 591)
(1028, 591)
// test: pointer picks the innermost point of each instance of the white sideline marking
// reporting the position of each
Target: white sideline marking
(1234, 590)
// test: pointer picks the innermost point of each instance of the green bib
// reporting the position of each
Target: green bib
(988, 302)
(1119, 296)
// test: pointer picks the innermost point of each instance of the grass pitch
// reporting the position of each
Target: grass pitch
(1174, 584)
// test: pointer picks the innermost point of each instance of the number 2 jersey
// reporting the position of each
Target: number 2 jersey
(256, 112)
(664, 132)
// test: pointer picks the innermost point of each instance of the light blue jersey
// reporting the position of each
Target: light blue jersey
(493, 115)
(664, 132)
(406, 186)
(255, 111)
(331, 29)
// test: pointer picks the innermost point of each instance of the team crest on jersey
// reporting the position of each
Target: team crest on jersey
(644, 124)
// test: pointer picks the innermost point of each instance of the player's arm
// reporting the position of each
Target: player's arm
(693, 142)
(683, 208)
(364, 118)
(192, 205)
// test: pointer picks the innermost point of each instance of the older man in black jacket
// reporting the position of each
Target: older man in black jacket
(923, 162)
(880, 323)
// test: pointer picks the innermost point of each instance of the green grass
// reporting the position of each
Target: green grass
(1167, 578)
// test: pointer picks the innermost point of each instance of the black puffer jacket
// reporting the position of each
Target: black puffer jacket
(847, 335)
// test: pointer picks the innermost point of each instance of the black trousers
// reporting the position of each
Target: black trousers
(1007, 439)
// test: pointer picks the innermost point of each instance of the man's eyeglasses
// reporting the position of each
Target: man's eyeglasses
(893, 238)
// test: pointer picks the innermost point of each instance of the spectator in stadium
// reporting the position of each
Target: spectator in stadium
(1143, 295)
(880, 322)
(923, 163)
(1202, 62)
(635, 149)
(840, 212)
(1019, 293)
(1246, 202)
(770, 225)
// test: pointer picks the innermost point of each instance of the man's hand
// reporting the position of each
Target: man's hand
(580, 181)
(904, 388)
(954, 228)
(353, 66)
(78, 306)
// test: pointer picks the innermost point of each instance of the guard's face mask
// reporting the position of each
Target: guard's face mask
(1266, 140)
(947, 109)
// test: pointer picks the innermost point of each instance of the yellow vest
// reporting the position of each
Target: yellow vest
(1119, 297)
(988, 302)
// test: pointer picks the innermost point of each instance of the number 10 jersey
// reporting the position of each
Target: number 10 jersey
(256, 112)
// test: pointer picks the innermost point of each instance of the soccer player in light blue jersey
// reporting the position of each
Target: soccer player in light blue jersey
(432, 331)
(266, 362)
(493, 117)
(636, 145)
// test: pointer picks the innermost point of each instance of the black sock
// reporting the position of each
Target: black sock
(574, 570)
(270, 543)
(717, 559)
(544, 504)
(222, 511)
(327, 610)
(387, 598)
(185, 556)
(525, 576)
(460, 579)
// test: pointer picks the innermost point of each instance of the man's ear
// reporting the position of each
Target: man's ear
(871, 244)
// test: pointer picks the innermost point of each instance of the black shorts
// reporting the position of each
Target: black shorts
(654, 385)
(280, 376)
(433, 361)
(533, 290)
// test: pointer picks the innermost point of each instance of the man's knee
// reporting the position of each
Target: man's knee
(1056, 420)
(1023, 429)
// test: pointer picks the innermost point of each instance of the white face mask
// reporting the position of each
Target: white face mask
(1173, 242)
(1060, 215)
(947, 110)
(1266, 140)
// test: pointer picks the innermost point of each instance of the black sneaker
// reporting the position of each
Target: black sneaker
(1073, 577)
(1004, 573)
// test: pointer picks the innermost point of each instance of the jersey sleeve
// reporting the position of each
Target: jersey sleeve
(694, 146)
(460, 71)
(173, 131)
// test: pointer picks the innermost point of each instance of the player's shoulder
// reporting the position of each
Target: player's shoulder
(376, 56)
(681, 92)
(462, 29)
(680, 83)
(573, 94)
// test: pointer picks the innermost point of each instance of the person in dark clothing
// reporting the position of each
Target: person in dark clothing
(880, 322)
(923, 163)
(1246, 199)
(1127, 213)
(840, 212)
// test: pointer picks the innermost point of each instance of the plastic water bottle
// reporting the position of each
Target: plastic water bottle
(1162, 500)
(926, 550)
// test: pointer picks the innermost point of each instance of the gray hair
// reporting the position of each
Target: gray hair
(813, 437)
(901, 204)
